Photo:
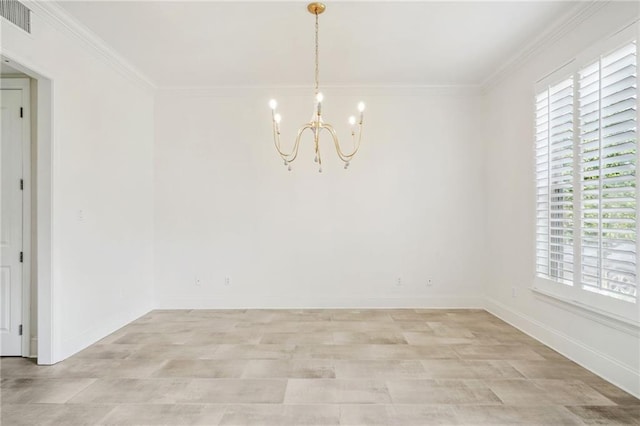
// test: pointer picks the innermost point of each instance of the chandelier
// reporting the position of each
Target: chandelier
(317, 124)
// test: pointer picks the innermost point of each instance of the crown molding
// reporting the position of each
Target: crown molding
(333, 90)
(52, 13)
(561, 27)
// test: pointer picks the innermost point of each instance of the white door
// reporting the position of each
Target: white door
(11, 223)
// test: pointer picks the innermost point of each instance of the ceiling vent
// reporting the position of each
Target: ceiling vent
(17, 13)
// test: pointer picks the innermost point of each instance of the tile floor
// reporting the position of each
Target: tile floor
(312, 367)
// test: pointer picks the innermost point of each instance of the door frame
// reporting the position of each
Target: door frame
(24, 84)
(48, 348)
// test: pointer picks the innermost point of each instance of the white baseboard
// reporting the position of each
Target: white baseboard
(311, 302)
(593, 360)
(107, 326)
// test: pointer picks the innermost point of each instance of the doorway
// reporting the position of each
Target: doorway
(15, 217)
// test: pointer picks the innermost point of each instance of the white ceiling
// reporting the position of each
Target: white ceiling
(271, 43)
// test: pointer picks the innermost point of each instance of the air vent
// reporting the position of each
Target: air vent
(17, 13)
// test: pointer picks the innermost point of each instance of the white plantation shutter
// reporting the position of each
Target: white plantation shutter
(586, 151)
(554, 171)
(608, 101)
(542, 185)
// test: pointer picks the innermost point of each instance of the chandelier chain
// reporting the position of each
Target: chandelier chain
(317, 66)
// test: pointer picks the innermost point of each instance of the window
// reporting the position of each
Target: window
(586, 199)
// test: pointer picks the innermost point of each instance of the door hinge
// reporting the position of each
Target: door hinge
(21, 184)
(20, 329)
(21, 257)
(21, 112)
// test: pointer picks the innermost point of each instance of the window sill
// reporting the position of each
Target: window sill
(611, 320)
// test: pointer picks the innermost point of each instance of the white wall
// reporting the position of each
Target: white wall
(409, 206)
(102, 235)
(610, 349)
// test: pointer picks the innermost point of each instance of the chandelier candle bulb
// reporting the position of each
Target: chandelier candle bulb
(316, 124)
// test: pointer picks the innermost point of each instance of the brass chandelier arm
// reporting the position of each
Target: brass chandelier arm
(288, 157)
(344, 157)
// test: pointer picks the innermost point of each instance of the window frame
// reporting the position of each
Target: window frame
(625, 311)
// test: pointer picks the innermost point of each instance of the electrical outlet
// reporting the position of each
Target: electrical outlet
(198, 282)
(227, 280)
(399, 282)
(429, 283)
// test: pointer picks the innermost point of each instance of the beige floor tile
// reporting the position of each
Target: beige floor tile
(290, 327)
(503, 352)
(154, 338)
(371, 338)
(108, 351)
(164, 414)
(469, 369)
(234, 336)
(411, 325)
(26, 367)
(547, 415)
(132, 391)
(441, 329)
(399, 414)
(234, 391)
(294, 369)
(430, 338)
(321, 338)
(41, 390)
(336, 391)
(181, 327)
(445, 393)
(571, 392)
(541, 392)
(282, 415)
(379, 369)
(519, 392)
(202, 368)
(53, 414)
(610, 391)
(320, 366)
(546, 352)
(551, 370)
(409, 315)
(365, 326)
(373, 352)
(502, 336)
(165, 352)
(607, 415)
(262, 351)
(493, 369)
(362, 315)
(97, 368)
(319, 315)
